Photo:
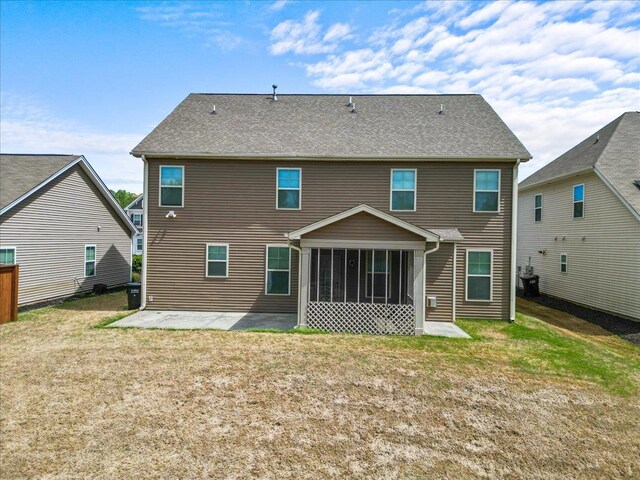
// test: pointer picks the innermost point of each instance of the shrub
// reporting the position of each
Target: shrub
(137, 264)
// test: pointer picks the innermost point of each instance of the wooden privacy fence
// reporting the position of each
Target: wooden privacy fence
(9, 293)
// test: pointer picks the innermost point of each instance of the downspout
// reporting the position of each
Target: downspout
(424, 277)
(145, 232)
(514, 239)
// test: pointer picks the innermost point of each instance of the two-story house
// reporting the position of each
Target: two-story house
(368, 213)
(135, 211)
(579, 221)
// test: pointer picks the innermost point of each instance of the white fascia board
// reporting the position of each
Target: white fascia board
(554, 179)
(429, 236)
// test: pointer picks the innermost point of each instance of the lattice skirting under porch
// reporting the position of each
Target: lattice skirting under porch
(371, 318)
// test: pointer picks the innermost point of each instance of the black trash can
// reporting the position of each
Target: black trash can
(134, 292)
(531, 284)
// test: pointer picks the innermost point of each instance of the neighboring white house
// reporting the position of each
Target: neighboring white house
(135, 211)
(579, 221)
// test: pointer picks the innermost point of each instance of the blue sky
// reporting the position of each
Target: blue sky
(95, 77)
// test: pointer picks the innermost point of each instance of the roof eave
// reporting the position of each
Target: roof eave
(522, 188)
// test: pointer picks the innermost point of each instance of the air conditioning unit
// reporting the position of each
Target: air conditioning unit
(432, 302)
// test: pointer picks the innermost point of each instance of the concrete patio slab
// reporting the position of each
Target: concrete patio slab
(208, 320)
(444, 329)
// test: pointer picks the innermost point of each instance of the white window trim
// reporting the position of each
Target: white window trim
(160, 186)
(139, 248)
(475, 171)
(207, 261)
(467, 275)
(536, 208)
(414, 189)
(134, 215)
(15, 253)
(299, 189)
(95, 261)
(267, 269)
(565, 263)
(573, 198)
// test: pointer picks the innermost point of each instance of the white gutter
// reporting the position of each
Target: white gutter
(514, 245)
(424, 277)
(145, 233)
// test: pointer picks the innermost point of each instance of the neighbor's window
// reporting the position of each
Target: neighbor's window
(289, 188)
(171, 186)
(563, 262)
(139, 244)
(403, 190)
(278, 270)
(217, 260)
(537, 208)
(7, 255)
(479, 270)
(89, 260)
(486, 191)
(137, 219)
(578, 201)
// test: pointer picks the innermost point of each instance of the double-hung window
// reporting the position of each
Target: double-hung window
(289, 187)
(278, 270)
(403, 190)
(578, 201)
(171, 186)
(479, 275)
(537, 207)
(563, 263)
(89, 260)
(486, 191)
(217, 260)
(137, 219)
(139, 244)
(7, 255)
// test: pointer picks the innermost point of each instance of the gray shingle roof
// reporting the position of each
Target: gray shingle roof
(21, 173)
(615, 155)
(385, 126)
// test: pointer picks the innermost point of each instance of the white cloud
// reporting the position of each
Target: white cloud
(305, 37)
(28, 127)
(278, 5)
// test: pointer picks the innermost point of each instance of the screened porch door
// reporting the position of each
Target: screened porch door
(361, 291)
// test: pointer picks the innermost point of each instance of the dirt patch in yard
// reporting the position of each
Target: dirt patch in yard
(527, 400)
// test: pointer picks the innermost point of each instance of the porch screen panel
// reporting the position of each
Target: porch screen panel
(324, 288)
(339, 258)
(313, 274)
(365, 284)
(380, 274)
(352, 276)
(395, 276)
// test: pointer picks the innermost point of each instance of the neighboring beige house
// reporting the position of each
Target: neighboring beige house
(135, 211)
(368, 213)
(59, 222)
(579, 221)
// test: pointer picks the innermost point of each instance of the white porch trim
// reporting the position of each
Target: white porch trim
(362, 244)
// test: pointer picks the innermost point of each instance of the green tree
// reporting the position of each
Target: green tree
(123, 197)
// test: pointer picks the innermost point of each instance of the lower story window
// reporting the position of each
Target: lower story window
(479, 274)
(89, 260)
(217, 260)
(563, 262)
(278, 270)
(139, 244)
(7, 255)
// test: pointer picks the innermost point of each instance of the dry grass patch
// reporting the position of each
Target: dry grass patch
(528, 400)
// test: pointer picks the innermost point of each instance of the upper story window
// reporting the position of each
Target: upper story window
(289, 186)
(486, 191)
(217, 260)
(578, 201)
(171, 186)
(7, 255)
(139, 244)
(137, 219)
(479, 275)
(563, 262)
(537, 207)
(89, 260)
(403, 190)
(278, 270)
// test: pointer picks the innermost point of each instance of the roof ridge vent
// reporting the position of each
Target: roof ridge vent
(275, 95)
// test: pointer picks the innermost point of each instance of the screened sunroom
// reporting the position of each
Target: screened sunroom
(362, 271)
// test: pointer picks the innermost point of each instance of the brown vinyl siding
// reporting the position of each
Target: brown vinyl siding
(439, 273)
(603, 248)
(231, 201)
(363, 226)
(50, 230)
